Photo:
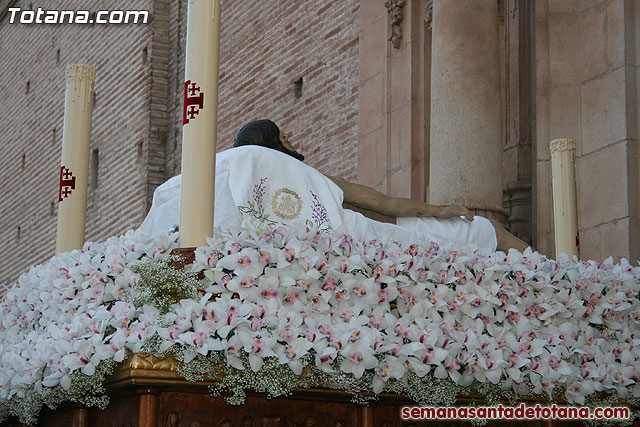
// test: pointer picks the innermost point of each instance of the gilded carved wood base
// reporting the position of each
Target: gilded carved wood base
(147, 391)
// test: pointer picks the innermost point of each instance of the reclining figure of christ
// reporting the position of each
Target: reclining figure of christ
(263, 176)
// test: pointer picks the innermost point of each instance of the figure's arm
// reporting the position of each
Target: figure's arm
(367, 198)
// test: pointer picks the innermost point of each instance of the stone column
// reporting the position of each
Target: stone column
(517, 158)
(465, 148)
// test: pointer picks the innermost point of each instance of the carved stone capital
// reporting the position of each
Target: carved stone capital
(428, 12)
(395, 12)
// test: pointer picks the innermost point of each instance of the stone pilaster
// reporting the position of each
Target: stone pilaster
(393, 108)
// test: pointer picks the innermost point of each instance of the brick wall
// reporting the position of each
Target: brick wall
(265, 48)
(160, 53)
(137, 120)
(31, 129)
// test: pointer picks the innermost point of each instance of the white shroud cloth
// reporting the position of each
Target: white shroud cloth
(265, 183)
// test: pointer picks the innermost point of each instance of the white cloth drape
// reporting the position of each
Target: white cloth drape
(265, 183)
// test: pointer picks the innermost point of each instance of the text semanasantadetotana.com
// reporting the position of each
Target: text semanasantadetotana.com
(521, 412)
(42, 16)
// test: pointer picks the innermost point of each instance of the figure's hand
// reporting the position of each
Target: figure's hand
(455, 210)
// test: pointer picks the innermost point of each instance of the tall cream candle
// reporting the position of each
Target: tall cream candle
(200, 111)
(565, 209)
(74, 167)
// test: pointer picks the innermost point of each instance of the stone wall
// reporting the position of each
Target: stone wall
(569, 70)
(394, 100)
(586, 90)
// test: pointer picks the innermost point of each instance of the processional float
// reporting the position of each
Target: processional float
(146, 390)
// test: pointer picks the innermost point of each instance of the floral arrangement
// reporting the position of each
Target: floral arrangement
(281, 307)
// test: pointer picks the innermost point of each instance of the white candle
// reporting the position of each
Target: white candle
(565, 208)
(74, 167)
(200, 113)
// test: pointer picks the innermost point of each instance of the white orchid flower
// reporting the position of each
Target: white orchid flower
(291, 353)
(357, 358)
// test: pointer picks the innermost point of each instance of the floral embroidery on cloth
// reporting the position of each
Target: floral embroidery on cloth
(319, 217)
(255, 207)
(287, 205)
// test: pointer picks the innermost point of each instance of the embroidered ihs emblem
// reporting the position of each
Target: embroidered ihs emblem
(286, 204)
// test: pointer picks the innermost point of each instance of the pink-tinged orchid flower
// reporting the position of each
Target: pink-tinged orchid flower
(357, 359)
(291, 353)
(329, 284)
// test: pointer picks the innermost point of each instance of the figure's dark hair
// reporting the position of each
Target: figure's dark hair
(264, 133)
